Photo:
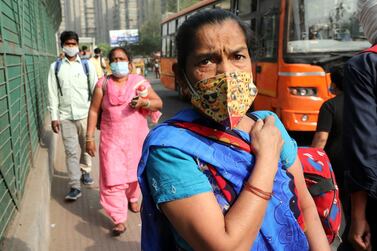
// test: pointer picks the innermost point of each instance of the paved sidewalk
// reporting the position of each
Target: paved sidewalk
(82, 225)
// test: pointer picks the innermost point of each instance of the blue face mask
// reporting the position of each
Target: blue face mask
(119, 69)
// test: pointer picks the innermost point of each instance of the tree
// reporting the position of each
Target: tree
(172, 5)
(105, 48)
(150, 38)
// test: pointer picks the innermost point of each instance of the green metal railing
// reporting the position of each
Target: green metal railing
(27, 47)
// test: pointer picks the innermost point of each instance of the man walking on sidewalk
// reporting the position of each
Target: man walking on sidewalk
(71, 81)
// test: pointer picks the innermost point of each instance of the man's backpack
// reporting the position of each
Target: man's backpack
(85, 66)
(321, 183)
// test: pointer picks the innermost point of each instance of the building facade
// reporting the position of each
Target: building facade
(94, 18)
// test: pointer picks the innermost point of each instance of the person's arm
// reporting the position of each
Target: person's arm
(360, 127)
(53, 99)
(324, 124)
(93, 78)
(199, 219)
(315, 233)
(320, 139)
(314, 230)
(360, 142)
(103, 63)
(359, 234)
(94, 110)
(152, 103)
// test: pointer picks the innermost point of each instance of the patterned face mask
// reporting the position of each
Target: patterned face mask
(225, 97)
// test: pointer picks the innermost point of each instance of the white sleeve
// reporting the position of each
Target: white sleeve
(53, 98)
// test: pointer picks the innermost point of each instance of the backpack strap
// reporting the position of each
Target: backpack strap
(215, 134)
(85, 66)
(104, 84)
(58, 64)
(320, 185)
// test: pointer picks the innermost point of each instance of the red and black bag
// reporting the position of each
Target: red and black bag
(321, 183)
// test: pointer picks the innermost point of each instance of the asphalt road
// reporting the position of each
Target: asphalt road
(171, 102)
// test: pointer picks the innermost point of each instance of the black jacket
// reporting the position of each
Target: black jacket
(360, 123)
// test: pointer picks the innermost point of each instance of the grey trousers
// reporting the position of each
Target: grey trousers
(74, 140)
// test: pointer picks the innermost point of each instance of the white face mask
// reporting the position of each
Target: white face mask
(71, 51)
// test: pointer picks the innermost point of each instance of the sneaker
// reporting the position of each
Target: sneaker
(73, 194)
(86, 179)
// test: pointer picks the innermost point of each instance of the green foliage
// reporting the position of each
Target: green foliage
(105, 48)
(172, 5)
(150, 38)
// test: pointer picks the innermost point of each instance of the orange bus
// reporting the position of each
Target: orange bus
(169, 27)
(296, 42)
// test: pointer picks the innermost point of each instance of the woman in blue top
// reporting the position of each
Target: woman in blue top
(208, 191)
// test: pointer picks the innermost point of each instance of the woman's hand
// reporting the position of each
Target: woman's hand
(55, 125)
(91, 148)
(153, 102)
(138, 102)
(266, 139)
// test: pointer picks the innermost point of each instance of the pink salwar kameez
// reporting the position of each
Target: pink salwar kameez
(123, 130)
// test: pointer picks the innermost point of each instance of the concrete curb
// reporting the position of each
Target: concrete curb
(30, 228)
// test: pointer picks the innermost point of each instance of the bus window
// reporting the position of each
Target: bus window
(172, 27)
(163, 49)
(244, 9)
(323, 26)
(168, 47)
(164, 29)
(267, 47)
(172, 46)
(180, 21)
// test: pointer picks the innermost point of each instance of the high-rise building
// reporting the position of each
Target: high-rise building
(78, 16)
(94, 18)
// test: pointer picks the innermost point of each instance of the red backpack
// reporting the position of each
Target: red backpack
(321, 183)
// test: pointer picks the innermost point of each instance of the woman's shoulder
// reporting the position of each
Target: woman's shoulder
(103, 80)
(136, 80)
(168, 168)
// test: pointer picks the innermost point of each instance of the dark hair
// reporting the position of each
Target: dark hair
(97, 50)
(84, 47)
(110, 56)
(337, 75)
(66, 35)
(187, 31)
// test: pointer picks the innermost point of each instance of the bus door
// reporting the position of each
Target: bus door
(264, 20)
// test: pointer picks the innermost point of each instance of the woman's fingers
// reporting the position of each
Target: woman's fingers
(269, 121)
(266, 137)
(257, 125)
